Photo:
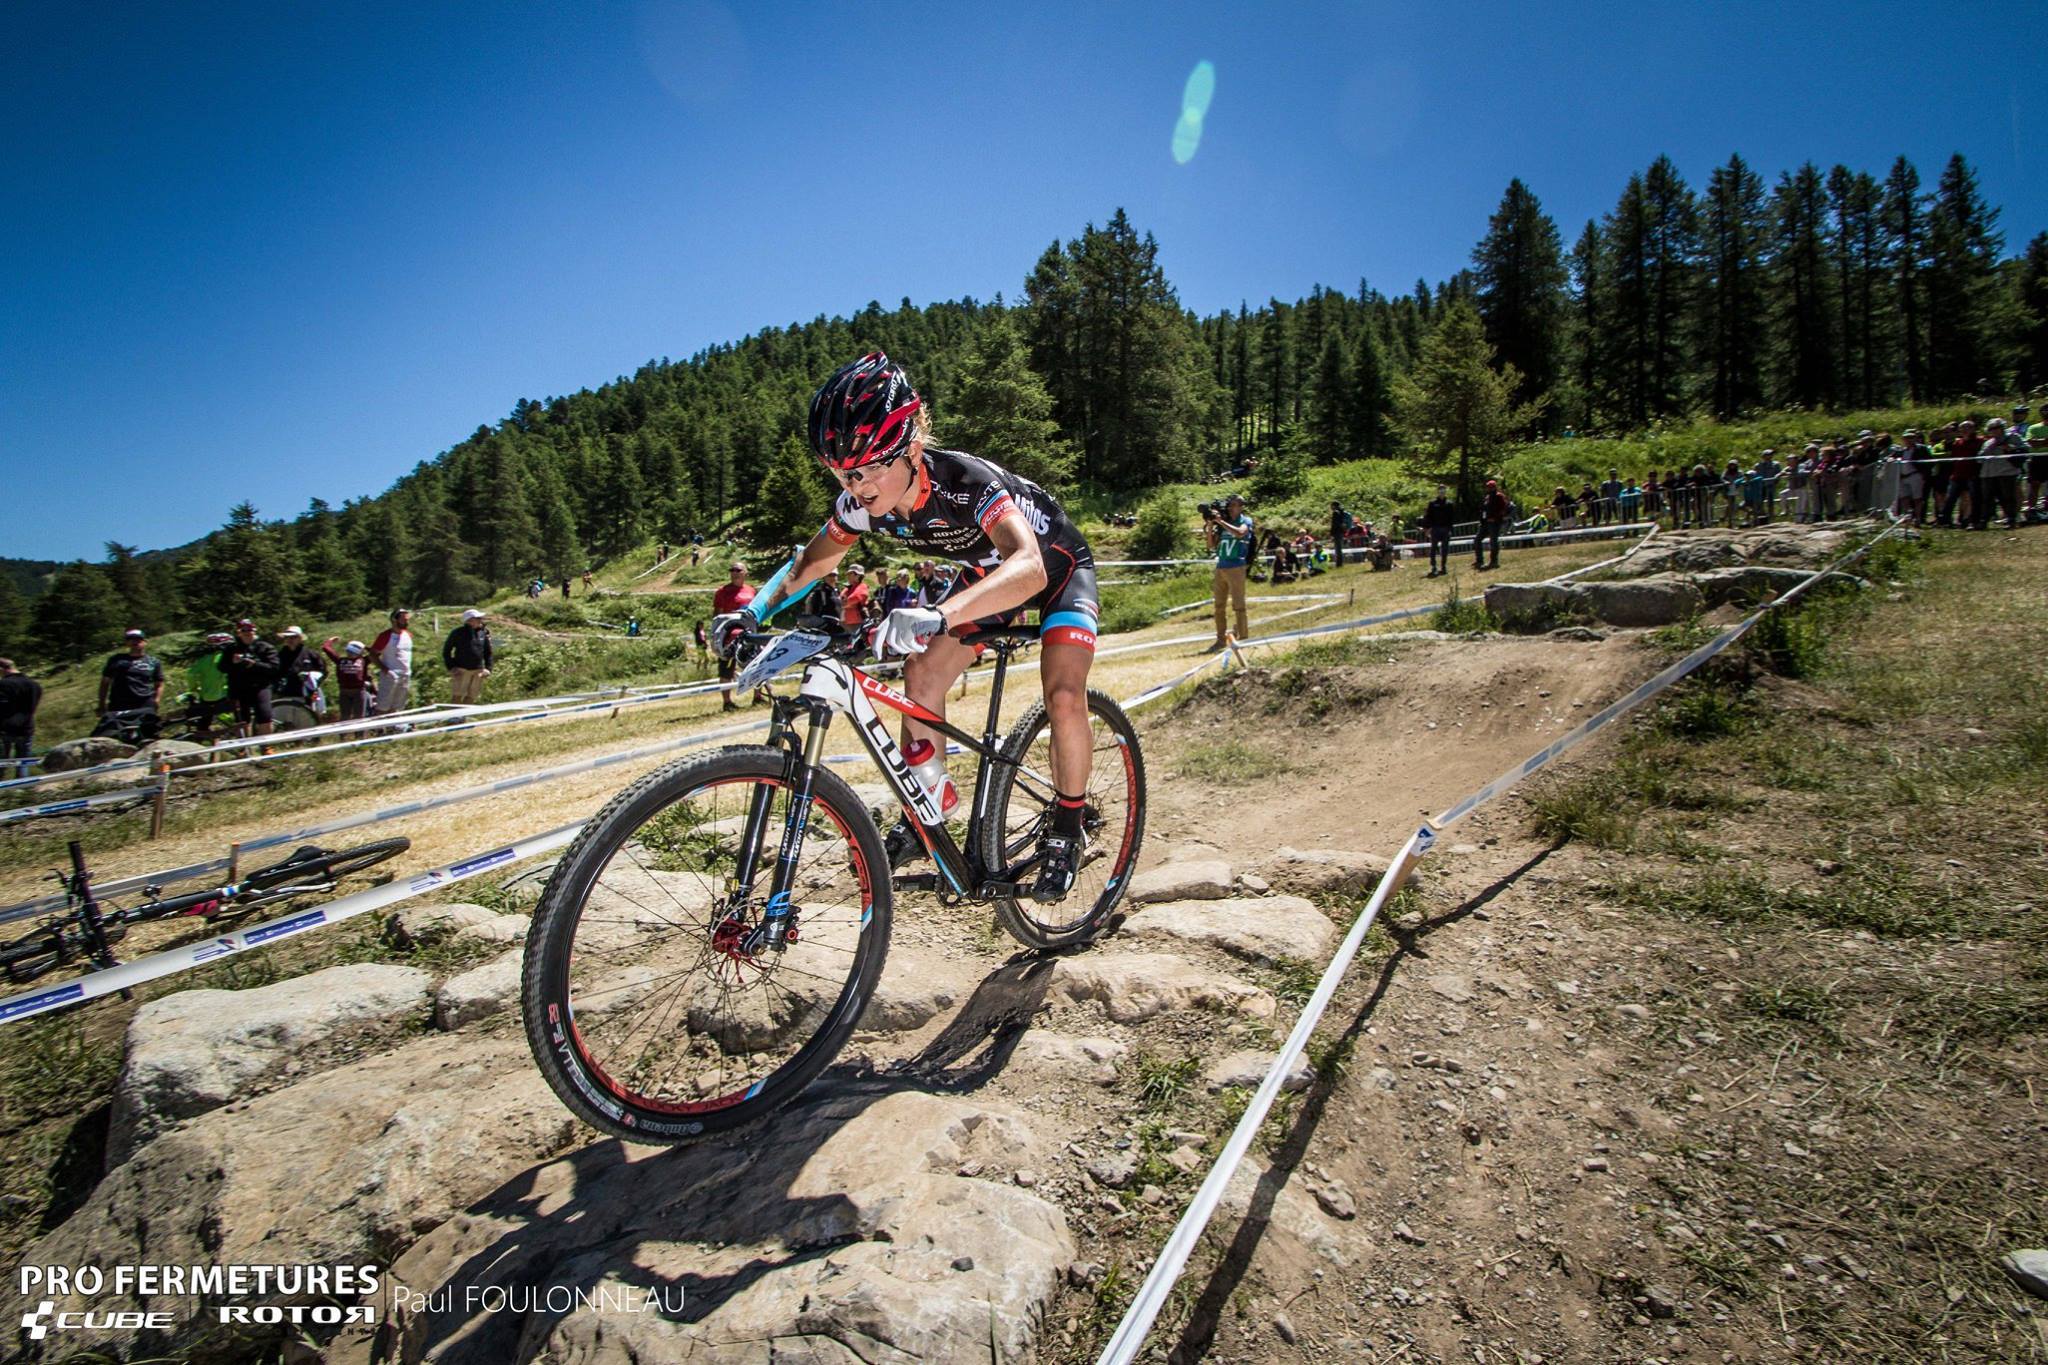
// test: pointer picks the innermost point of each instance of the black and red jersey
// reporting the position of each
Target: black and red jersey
(959, 499)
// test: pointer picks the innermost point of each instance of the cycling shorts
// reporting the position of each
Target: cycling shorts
(1067, 606)
(253, 706)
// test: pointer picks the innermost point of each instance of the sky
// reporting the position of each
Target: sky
(280, 252)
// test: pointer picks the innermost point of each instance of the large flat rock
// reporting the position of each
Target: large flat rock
(348, 1166)
(1263, 928)
(479, 992)
(1196, 879)
(841, 1232)
(1133, 987)
(194, 1051)
(1322, 871)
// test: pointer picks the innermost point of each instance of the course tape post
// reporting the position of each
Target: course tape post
(128, 975)
(1129, 1338)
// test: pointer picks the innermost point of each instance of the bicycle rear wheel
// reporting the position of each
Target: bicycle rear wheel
(1113, 827)
(647, 1008)
(53, 945)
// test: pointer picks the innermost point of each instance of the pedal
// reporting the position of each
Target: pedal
(915, 881)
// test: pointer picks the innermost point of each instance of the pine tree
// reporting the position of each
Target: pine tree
(14, 619)
(2031, 306)
(1455, 409)
(1906, 236)
(130, 580)
(1520, 277)
(560, 551)
(1241, 382)
(1371, 394)
(1806, 356)
(378, 538)
(1592, 381)
(617, 502)
(1854, 202)
(1963, 246)
(438, 568)
(1672, 218)
(507, 538)
(1329, 424)
(1052, 329)
(793, 501)
(1276, 365)
(1731, 302)
(1002, 412)
(79, 614)
(1625, 251)
(244, 569)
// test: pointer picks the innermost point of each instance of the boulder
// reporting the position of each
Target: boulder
(74, 754)
(1318, 872)
(900, 1004)
(1249, 1069)
(194, 1051)
(1092, 1058)
(1133, 987)
(1658, 600)
(1197, 879)
(496, 929)
(348, 1166)
(172, 751)
(1515, 603)
(1267, 929)
(841, 1232)
(479, 992)
(1753, 583)
(419, 924)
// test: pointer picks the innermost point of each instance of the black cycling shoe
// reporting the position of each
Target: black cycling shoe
(902, 845)
(1057, 856)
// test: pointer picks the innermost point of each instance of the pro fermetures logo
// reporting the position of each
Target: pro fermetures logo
(213, 1290)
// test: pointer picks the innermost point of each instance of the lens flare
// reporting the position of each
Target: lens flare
(1194, 107)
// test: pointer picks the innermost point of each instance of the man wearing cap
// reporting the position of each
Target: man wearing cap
(736, 593)
(467, 653)
(251, 666)
(1493, 515)
(391, 651)
(299, 669)
(132, 680)
(1231, 536)
(351, 677)
(1998, 476)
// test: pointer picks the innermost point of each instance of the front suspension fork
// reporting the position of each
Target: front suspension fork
(775, 928)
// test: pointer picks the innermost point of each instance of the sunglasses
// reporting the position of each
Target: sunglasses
(854, 478)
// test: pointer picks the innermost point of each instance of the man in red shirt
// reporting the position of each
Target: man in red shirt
(736, 593)
(853, 597)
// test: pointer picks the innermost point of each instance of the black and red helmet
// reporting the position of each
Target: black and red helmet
(863, 413)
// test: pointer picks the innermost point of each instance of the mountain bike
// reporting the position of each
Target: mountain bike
(710, 940)
(86, 930)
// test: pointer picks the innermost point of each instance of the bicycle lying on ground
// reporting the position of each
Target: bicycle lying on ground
(708, 943)
(85, 931)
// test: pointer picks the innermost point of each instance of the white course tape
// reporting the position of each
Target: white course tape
(1129, 1338)
(127, 975)
(78, 803)
(1145, 1306)
(1569, 574)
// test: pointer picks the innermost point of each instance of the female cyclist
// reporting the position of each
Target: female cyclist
(1017, 549)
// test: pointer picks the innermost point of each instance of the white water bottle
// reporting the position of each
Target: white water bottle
(928, 765)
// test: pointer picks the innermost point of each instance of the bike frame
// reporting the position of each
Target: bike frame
(833, 685)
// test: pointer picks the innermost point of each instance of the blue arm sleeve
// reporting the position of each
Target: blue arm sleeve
(766, 593)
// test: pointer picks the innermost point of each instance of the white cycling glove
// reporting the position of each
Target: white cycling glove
(905, 630)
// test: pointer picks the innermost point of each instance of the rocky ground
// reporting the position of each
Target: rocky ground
(1563, 1109)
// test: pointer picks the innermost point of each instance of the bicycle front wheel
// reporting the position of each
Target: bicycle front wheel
(652, 1009)
(1113, 826)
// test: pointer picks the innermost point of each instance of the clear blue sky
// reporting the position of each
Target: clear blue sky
(286, 251)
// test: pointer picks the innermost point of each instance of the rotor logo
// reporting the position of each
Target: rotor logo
(37, 1327)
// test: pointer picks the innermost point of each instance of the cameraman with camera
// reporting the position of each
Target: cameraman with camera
(1230, 534)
